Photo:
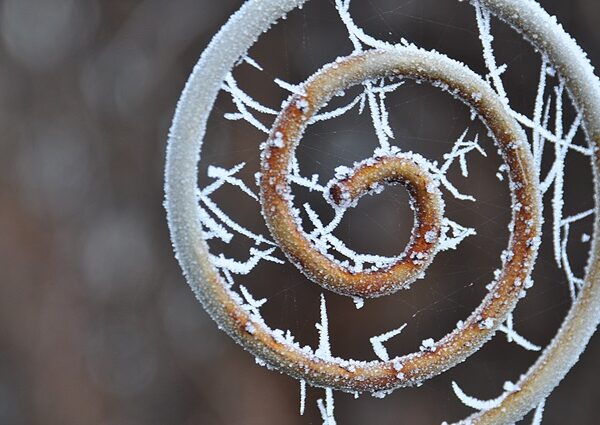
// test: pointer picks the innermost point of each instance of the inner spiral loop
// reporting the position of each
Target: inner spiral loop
(276, 199)
(409, 170)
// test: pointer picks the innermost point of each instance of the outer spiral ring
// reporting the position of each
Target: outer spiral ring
(188, 131)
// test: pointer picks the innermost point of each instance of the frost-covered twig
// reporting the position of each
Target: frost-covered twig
(377, 342)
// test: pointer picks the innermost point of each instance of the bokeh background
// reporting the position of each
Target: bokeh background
(97, 325)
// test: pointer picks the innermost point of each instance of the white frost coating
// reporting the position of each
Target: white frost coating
(358, 302)
(459, 150)
(379, 114)
(510, 327)
(538, 147)
(292, 88)
(311, 184)
(237, 94)
(324, 349)
(320, 236)
(483, 24)
(232, 224)
(215, 230)
(244, 267)
(565, 145)
(255, 305)
(329, 407)
(475, 403)
(558, 195)
(453, 234)
(240, 99)
(226, 176)
(428, 344)
(539, 413)
(377, 342)
(573, 281)
(513, 336)
(355, 33)
(549, 136)
(252, 62)
(576, 217)
(384, 112)
(222, 175)
(228, 265)
(302, 396)
(323, 239)
(338, 111)
(326, 409)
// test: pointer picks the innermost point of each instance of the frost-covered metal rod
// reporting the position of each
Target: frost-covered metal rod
(322, 369)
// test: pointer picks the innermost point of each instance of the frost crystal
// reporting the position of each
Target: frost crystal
(324, 350)
(513, 336)
(539, 412)
(302, 396)
(475, 403)
(377, 342)
(326, 408)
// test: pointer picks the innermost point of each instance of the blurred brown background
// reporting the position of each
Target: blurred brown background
(97, 325)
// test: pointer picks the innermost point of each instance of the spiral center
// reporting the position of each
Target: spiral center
(385, 168)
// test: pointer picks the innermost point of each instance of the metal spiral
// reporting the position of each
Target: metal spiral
(402, 62)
